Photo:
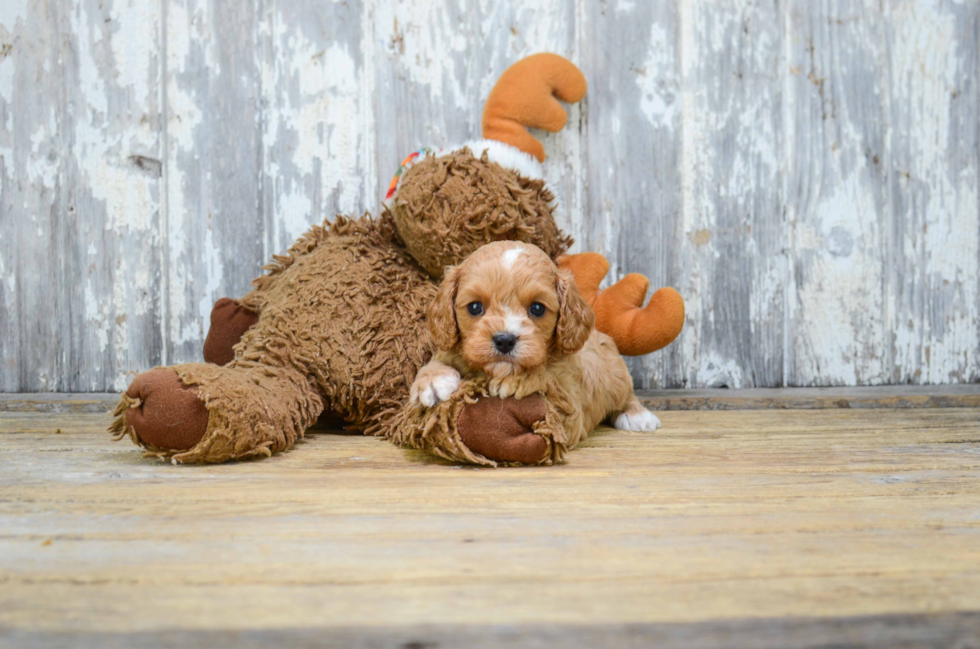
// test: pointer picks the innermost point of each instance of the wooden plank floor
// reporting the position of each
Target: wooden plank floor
(773, 527)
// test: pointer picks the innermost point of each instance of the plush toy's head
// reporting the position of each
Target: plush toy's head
(446, 204)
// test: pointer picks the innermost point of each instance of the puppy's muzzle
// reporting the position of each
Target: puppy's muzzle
(504, 342)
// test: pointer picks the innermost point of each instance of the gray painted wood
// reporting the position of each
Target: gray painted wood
(807, 174)
(634, 195)
(940, 629)
(965, 395)
(79, 194)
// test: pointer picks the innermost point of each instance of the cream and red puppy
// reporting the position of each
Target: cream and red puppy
(509, 313)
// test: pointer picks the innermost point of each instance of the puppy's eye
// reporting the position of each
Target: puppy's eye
(475, 308)
(536, 310)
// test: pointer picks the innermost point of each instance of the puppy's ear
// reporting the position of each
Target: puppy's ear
(575, 317)
(442, 312)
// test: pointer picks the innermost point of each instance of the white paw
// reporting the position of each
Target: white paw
(439, 388)
(640, 421)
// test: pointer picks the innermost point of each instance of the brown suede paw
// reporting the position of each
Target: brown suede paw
(170, 414)
(229, 322)
(501, 429)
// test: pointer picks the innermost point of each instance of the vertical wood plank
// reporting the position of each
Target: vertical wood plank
(733, 248)
(934, 252)
(632, 205)
(436, 64)
(318, 119)
(214, 230)
(837, 198)
(79, 97)
(31, 154)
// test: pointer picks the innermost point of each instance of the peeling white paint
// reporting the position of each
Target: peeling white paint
(187, 35)
(941, 201)
(714, 371)
(12, 12)
(7, 83)
(317, 99)
(135, 24)
(657, 80)
(422, 37)
(841, 307)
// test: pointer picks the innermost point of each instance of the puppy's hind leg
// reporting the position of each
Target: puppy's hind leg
(635, 417)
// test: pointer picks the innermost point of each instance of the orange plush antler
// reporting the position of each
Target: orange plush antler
(525, 96)
(619, 310)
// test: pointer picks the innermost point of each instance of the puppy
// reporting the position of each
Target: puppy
(509, 314)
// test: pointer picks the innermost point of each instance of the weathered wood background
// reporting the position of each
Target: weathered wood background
(805, 173)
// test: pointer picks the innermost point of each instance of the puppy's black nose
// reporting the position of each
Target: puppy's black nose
(504, 342)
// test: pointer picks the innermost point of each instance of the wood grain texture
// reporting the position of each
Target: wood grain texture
(80, 191)
(880, 396)
(765, 519)
(935, 231)
(939, 630)
(806, 173)
(632, 155)
(835, 143)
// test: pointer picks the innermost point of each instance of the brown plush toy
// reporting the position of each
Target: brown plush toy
(338, 324)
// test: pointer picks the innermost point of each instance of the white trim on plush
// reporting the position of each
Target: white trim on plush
(504, 155)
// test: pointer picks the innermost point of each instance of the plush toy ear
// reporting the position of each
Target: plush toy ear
(442, 312)
(575, 317)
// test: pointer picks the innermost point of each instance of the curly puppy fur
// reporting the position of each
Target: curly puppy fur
(341, 323)
(508, 318)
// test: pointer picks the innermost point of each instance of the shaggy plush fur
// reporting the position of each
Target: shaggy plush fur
(448, 206)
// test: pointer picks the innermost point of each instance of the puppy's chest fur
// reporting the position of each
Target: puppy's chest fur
(586, 387)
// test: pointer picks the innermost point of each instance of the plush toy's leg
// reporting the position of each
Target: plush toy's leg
(229, 321)
(201, 412)
(163, 412)
(476, 429)
(503, 429)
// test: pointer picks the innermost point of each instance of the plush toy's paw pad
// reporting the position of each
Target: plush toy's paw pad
(502, 429)
(434, 389)
(169, 414)
(639, 421)
(229, 322)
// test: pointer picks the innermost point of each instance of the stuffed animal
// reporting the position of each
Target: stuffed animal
(338, 323)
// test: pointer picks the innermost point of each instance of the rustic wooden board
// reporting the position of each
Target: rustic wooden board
(938, 630)
(757, 521)
(806, 173)
(891, 396)
(80, 194)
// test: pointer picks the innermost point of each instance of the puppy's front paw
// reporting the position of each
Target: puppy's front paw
(502, 388)
(431, 388)
(639, 421)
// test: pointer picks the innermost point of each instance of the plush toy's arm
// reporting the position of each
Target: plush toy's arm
(619, 309)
